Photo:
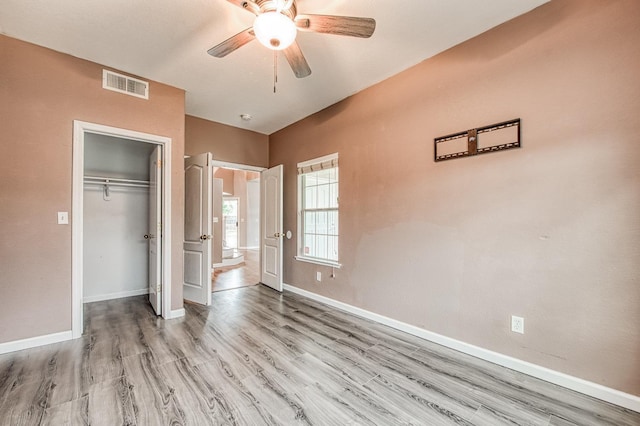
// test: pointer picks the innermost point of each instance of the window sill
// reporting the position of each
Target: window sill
(319, 262)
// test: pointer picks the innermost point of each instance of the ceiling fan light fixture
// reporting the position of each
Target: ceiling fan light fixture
(275, 30)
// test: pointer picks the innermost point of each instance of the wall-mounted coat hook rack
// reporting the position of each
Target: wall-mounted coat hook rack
(495, 137)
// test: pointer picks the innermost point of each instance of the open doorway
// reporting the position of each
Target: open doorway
(116, 217)
(236, 226)
(110, 191)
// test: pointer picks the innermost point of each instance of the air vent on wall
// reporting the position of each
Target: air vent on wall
(124, 84)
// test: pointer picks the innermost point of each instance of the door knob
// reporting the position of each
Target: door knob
(205, 237)
(278, 235)
(147, 236)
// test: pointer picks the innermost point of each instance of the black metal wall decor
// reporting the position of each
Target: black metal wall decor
(495, 137)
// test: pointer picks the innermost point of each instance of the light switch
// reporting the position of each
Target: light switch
(216, 220)
(63, 218)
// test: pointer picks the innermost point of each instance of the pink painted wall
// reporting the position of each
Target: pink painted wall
(226, 143)
(227, 179)
(41, 93)
(550, 232)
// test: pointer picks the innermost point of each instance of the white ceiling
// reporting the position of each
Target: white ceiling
(167, 41)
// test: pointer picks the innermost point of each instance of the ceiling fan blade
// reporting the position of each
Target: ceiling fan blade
(297, 61)
(246, 5)
(340, 25)
(232, 43)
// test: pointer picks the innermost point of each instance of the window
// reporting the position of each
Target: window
(318, 211)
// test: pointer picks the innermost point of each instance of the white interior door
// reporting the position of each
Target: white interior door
(271, 227)
(197, 228)
(155, 230)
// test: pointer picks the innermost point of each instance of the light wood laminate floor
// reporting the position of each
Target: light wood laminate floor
(258, 357)
(243, 275)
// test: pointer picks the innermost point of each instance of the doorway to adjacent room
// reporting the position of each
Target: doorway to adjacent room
(236, 262)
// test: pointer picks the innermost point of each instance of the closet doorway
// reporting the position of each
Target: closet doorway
(121, 224)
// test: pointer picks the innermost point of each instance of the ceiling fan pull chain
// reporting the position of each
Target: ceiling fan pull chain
(275, 69)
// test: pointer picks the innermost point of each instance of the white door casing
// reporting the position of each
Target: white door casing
(216, 249)
(154, 236)
(80, 128)
(271, 227)
(197, 229)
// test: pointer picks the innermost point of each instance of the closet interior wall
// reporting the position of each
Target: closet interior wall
(116, 217)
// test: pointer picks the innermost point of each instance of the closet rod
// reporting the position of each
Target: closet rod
(136, 185)
(109, 180)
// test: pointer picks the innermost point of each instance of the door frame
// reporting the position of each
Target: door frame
(80, 129)
(237, 166)
(248, 168)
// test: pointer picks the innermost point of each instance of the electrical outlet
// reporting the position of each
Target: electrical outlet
(318, 276)
(517, 324)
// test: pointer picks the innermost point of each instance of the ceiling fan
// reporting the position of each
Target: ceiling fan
(277, 23)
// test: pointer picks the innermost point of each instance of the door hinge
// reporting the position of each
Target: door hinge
(158, 289)
(159, 163)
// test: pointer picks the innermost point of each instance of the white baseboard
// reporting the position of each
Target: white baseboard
(117, 295)
(175, 313)
(32, 342)
(632, 402)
